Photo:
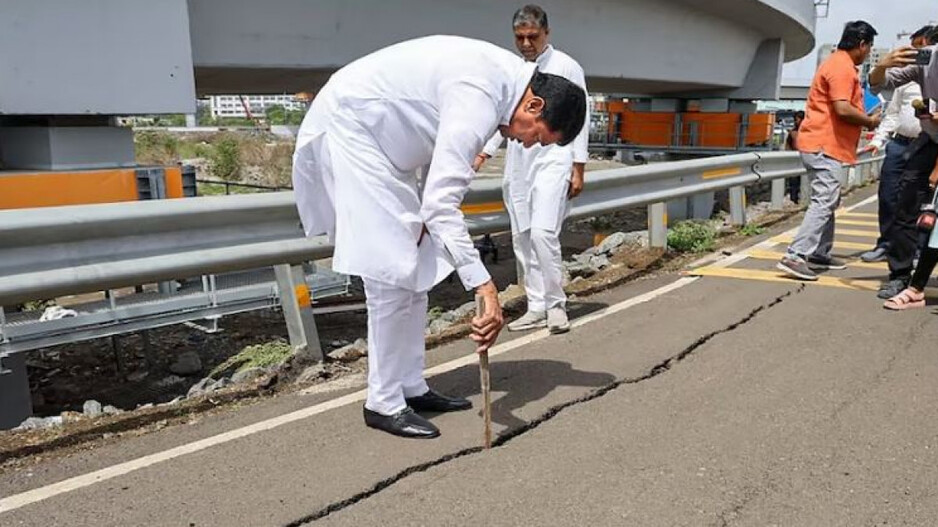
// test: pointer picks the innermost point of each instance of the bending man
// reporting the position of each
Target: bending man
(538, 182)
(427, 104)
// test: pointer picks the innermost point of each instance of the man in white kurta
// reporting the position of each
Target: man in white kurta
(538, 182)
(426, 104)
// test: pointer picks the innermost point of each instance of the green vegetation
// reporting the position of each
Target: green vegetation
(226, 160)
(257, 356)
(156, 148)
(751, 229)
(279, 115)
(692, 236)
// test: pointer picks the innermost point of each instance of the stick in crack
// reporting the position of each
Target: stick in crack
(485, 381)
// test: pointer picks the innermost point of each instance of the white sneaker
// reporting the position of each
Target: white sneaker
(557, 320)
(530, 320)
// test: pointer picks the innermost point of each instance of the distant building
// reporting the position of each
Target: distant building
(232, 106)
(875, 55)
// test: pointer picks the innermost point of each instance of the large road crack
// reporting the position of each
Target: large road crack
(552, 412)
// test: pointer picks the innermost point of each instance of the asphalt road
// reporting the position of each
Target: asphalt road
(724, 401)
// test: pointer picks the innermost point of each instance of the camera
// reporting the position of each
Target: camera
(920, 108)
(923, 56)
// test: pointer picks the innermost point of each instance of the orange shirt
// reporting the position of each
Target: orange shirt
(822, 130)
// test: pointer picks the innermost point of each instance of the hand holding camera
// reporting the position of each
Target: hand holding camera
(901, 57)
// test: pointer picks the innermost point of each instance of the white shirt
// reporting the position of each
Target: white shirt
(899, 117)
(429, 101)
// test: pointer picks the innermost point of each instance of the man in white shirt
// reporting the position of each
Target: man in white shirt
(428, 104)
(898, 130)
(538, 183)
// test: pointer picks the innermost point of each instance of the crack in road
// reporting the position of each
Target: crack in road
(552, 412)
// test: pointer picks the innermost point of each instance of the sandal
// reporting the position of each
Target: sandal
(907, 299)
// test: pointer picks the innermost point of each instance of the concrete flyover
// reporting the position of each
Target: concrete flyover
(727, 48)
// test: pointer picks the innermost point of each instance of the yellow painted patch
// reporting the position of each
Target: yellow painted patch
(837, 244)
(483, 208)
(857, 215)
(303, 296)
(857, 223)
(761, 254)
(776, 276)
(856, 232)
(722, 172)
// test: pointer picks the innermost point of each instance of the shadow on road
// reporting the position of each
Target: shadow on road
(522, 382)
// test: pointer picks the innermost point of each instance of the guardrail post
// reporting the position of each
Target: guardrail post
(738, 205)
(14, 391)
(658, 225)
(297, 308)
(778, 194)
(852, 179)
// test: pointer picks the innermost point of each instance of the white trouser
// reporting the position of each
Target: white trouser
(538, 251)
(397, 319)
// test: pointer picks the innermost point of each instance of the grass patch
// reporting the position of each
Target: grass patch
(257, 356)
(692, 236)
(751, 229)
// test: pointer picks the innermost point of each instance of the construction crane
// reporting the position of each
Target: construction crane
(260, 123)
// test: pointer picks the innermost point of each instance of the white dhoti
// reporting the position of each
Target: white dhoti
(536, 187)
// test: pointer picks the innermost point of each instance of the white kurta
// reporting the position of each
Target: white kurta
(536, 178)
(430, 102)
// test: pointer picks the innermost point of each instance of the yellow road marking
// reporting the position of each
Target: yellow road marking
(859, 223)
(855, 232)
(776, 276)
(761, 254)
(837, 244)
(857, 215)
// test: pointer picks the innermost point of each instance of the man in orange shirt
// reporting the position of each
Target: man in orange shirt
(827, 139)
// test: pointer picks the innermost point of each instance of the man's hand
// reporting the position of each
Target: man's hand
(479, 161)
(576, 180)
(898, 58)
(871, 148)
(933, 179)
(487, 325)
(875, 120)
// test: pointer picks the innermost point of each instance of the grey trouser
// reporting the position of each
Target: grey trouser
(816, 235)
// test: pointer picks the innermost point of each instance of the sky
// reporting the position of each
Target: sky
(889, 17)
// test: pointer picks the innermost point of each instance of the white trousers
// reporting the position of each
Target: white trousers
(397, 319)
(538, 251)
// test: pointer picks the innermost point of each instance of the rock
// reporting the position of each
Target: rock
(218, 385)
(199, 388)
(137, 376)
(637, 238)
(611, 243)
(112, 410)
(41, 423)
(511, 292)
(582, 258)
(302, 356)
(247, 375)
(439, 325)
(145, 406)
(465, 310)
(577, 279)
(187, 363)
(591, 251)
(599, 262)
(576, 269)
(72, 417)
(352, 352)
(312, 373)
(92, 409)
(449, 316)
(338, 343)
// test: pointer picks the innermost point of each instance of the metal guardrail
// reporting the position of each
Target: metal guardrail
(50, 252)
(53, 252)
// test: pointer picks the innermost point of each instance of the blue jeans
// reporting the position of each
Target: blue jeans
(893, 166)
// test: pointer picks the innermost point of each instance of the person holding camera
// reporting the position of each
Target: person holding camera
(827, 139)
(898, 68)
(899, 129)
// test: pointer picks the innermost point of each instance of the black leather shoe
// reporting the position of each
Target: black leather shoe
(436, 402)
(405, 423)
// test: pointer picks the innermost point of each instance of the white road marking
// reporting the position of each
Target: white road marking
(32, 496)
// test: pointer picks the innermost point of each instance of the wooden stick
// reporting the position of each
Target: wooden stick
(485, 381)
